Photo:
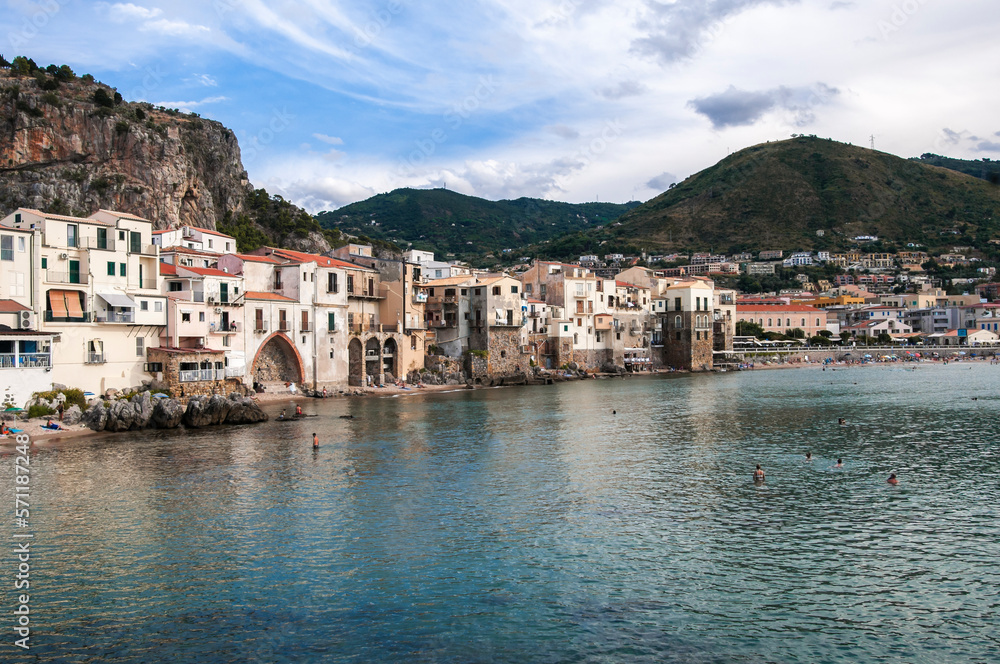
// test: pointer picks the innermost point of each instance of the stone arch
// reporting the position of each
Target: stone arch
(355, 366)
(277, 360)
(390, 357)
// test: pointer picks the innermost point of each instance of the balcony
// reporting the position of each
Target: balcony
(365, 294)
(84, 318)
(65, 277)
(235, 372)
(284, 326)
(97, 243)
(419, 298)
(144, 284)
(438, 324)
(260, 327)
(94, 358)
(25, 360)
(200, 375)
(305, 327)
(222, 329)
(114, 317)
(580, 293)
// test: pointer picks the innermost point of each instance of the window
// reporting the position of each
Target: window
(17, 283)
(331, 321)
(413, 342)
(185, 316)
(817, 322)
(576, 338)
(157, 306)
(139, 346)
(769, 322)
(803, 322)
(201, 316)
(678, 322)
(225, 340)
(305, 276)
(331, 283)
(72, 235)
(513, 289)
(121, 269)
(496, 290)
(121, 235)
(228, 247)
(135, 242)
(527, 288)
(465, 291)
(350, 284)
(541, 290)
(210, 244)
(111, 268)
(144, 305)
(20, 244)
(677, 304)
(6, 247)
(45, 263)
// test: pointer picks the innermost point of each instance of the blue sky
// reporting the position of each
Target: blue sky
(574, 100)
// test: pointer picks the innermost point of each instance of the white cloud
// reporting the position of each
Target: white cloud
(331, 140)
(122, 12)
(188, 106)
(174, 28)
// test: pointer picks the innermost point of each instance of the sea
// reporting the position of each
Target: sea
(595, 521)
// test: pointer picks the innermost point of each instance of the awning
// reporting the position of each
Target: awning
(117, 300)
(57, 303)
(74, 306)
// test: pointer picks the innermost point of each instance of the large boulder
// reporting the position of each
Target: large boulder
(244, 411)
(167, 414)
(96, 417)
(143, 405)
(72, 415)
(202, 412)
(122, 416)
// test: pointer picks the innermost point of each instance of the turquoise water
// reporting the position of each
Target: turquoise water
(533, 525)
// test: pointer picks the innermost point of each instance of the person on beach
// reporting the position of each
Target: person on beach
(315, 441)
(51, 425)
(324, 392)
(4, 431)
(758, 475)
(892, 479)
(60, 409)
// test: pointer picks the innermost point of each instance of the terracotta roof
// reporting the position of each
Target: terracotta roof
(263, 295)
(777, 308)
(536, 301)
(460, 280)
(178, 249)
(167, 268)
(124, 215)
(322, 261)
(62, 217)
(187, 351)
(257, 259)
(207, 271)
(625, 284)
(10, 306)
(210, 232)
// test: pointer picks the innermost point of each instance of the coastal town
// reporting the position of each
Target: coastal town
(106, 304)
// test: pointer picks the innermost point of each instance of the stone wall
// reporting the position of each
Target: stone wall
(274, 364)
(171, 374)
(682, 348)
(504, 352)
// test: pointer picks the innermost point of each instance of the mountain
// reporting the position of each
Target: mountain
(804, 193)
(72, 145)
(468, 227)
(984, 169)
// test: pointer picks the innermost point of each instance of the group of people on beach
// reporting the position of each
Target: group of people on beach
(758, 473)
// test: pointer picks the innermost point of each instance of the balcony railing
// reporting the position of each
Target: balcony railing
(65, 277)
(95, 243)
(114, 317)
(235, 372)
(305, 327)
(198, 375)
(284, 326)
(84, 318)
(24, 360)
(260, 327)
(219, 328)
(148, 284)
(94, 358)
(419, 298)
(442, 323)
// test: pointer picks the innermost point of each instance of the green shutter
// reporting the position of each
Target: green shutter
(111, 268)
(121, 269)
(330, 321)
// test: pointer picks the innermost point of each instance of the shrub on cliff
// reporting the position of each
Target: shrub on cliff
(102, 98)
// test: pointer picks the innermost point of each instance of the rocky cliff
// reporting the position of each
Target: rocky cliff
(70, 145)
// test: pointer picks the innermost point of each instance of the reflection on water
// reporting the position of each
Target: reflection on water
(537, 525)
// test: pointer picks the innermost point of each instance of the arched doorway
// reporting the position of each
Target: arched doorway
(373, 361)
(355, 363)
(389, 355)
(277, 360)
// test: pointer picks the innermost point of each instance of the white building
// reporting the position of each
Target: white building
(192, 237)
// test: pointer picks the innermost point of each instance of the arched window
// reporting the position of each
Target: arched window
(769, 323)
(678, 322)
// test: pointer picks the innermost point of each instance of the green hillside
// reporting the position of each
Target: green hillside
(984, 169)
(468, 227)
(804, 193)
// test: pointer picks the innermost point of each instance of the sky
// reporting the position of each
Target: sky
(573, 100)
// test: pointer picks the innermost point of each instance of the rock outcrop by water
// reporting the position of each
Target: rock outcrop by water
(141, 413)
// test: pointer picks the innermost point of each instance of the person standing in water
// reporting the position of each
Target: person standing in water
(315, 441)
(758, 475)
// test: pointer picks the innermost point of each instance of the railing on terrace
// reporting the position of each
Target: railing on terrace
(235, 372)
(198, 375)
(115, 317)
(65, 277)
(260, 327)
(94, 358)
(24, 360)
(50, 318)
(95, 243)
(306, 327)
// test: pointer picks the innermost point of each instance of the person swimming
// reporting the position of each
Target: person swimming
(282, 415)
(809, 456)
(892, 479)
(842, 422)
(840, 463)
(758, 475)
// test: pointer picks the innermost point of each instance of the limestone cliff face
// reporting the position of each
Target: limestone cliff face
(61, 152)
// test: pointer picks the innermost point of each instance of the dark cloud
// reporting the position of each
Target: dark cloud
(734, 107)
(676, 30)
(562, 131)
(623, 89)
(662, 181)
(950, 136)
(997, 134)
(988, 146)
